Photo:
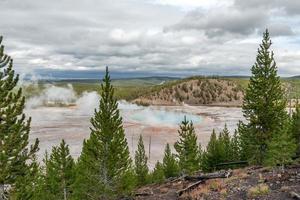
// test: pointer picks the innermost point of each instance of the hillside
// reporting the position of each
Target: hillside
(247, 183)
(195, 91)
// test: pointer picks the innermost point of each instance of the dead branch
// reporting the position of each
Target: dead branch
(221, 174)
(190, 187)
(295, 195)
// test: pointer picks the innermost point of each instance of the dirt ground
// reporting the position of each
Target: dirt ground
(246, 183)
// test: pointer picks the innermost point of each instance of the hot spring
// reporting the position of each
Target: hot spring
(162, 117)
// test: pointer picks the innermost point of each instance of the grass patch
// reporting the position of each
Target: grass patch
(259, 190)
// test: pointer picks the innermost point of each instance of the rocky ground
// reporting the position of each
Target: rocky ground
(246, 183)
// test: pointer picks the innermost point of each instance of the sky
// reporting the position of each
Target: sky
(169, 37)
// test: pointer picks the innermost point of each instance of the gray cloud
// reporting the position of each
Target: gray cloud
(222, 22)
(136, 35)
(290, 7)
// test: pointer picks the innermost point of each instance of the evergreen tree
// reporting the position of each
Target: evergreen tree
(295, 128)
(263, 106)
(225, 145)
(158, 175)
(214, 153)
(16, 155)
(141, 167)
(27, 187)
(281, 149)
(235, 147)
(104, 166)
(187, 148)
(170, 165)
(60, 172)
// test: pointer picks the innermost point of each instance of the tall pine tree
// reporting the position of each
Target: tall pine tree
(60, 172)
(264, 105)
(187, 148)
(141, 167)
(104, 162)
(15, 155)
(170, 165)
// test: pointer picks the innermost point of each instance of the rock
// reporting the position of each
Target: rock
(163, 190)
(279, 175)
(285, 189)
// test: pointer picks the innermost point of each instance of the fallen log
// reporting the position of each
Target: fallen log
(190, 187)
(232, 163)
(144, 193)
(223, 174)
(295, 195)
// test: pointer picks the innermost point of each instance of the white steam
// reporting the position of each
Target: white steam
(87, 102)
(52, 96)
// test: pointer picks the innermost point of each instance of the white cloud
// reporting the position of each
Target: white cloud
(192, 4)
(182, 36)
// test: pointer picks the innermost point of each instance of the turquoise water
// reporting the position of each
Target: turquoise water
(162, 117)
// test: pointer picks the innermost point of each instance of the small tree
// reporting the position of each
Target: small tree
(225, 145)
(187, 148)
(170, 165)
(141, 167)
(235, 147)
(158, 173)
(60, 172)
(27, 187)
(213, 154)
(295, 128)
(281, 150)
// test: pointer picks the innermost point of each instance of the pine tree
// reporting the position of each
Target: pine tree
(187, 148)
(27, 187)
(158, 175)
(141, 167)
(263, 106)
(104, 162)
(281, 149)
(15, 155)
(213, 154)
(235, 147)
(295, 128)
(170, 165)
(225, 145)
(60, 172)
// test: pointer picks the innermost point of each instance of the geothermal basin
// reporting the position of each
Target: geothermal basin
(157, 124)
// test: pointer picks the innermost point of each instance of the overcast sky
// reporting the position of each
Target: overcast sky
(156, 36)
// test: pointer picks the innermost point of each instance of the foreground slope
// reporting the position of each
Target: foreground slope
(247, 183)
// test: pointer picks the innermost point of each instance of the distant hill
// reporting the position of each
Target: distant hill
(195, 91)
(294, 77)
(138, 81)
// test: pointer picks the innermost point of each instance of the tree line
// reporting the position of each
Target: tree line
(268, 136)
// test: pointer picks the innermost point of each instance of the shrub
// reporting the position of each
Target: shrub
(259, 190)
